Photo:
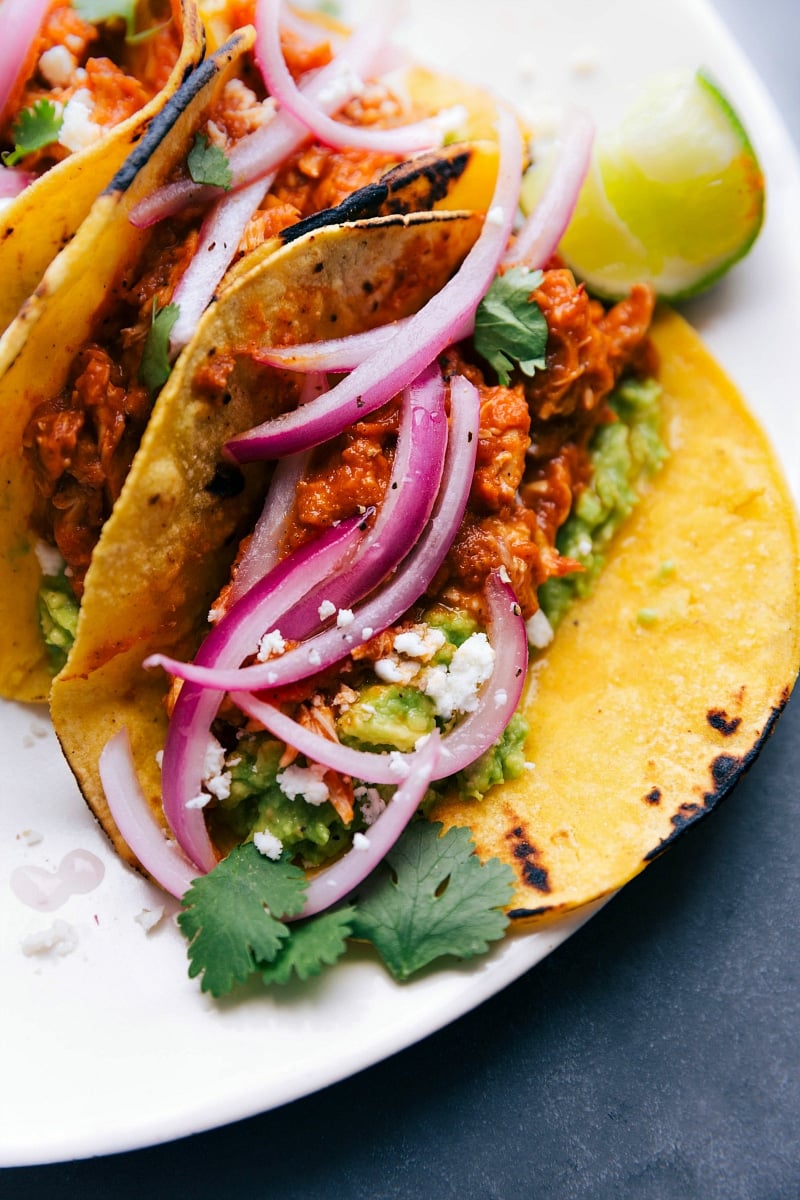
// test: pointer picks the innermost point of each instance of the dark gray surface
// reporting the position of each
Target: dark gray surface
(656, 1055)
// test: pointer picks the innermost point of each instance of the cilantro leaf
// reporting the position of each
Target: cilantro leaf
(209, 164)
(33, 129)
(510, 328)
(99, 12)
(155, 368)
(227, 917)
(312, 944)
(442, 900)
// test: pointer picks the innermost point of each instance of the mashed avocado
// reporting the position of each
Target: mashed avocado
(58, 618)
(624, 455)
(387, 717)
(310, 832)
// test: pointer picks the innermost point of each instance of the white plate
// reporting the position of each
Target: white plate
(112, 1047)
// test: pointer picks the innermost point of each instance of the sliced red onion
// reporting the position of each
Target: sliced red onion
(335, 882)
(134, 818)
(475, 733)
(263, 549)
(228, 644)
(418, 343)
(341, 354)
(368, 765)
(403, 514)
(13, 181)
(392, 601)
(404, 140)
(220, 235)
(20, 22)
(335, 355)
(537, 240)
(260, 153)
(501, 694)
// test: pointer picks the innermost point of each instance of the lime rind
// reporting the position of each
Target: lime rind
(674, 195)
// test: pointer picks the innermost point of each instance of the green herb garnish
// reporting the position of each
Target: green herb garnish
(155, 367)
(208, 164)
(34, 129)
(432, 898)
(100, 12)
(510, 329)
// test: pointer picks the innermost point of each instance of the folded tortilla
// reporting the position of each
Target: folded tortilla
(658, 690)
(46, 215)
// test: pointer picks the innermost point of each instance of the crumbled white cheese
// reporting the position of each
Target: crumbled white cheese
(56, 66)
(314, 658)
(326, 609)
(305, 782)
(495, 215)
(500, 697)
(388, 669)
(422, 642)
(199, 801)
(148, 918)
(371, 803)
(539, 630)
(367, 632)
(267, 844)
(455, 688)
(60, 938)
(48, 558)
(216, 779)
(504, 575)
(344, 617)
(215, 614)
(78, 130)
(398, 764)
(584, 546)
(392, 670)
(360, 842)
(271, 644)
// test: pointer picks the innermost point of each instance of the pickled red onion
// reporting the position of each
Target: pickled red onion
(403, 140)
(475, 733)
(135, 820)
(20, 21)
(404, 512)
(414, 346)
(335, 882)
(392, 601)
(538, 238)
(259, 154)
(13, 181)
(263, 548)
(229, 643)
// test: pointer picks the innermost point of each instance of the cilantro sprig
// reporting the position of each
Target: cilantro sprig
(155, 367)
(432, 898)
(34, 128)
(208, 164)
(510, 328)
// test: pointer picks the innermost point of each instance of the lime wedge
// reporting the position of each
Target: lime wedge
(674, 195)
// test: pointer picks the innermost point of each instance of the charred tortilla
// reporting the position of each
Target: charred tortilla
(658, 689)
(72, 305)
(47, 214)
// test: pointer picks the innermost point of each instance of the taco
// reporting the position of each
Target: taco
(81, 84)
(494, 529)
(85, 358)
(613, 414)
